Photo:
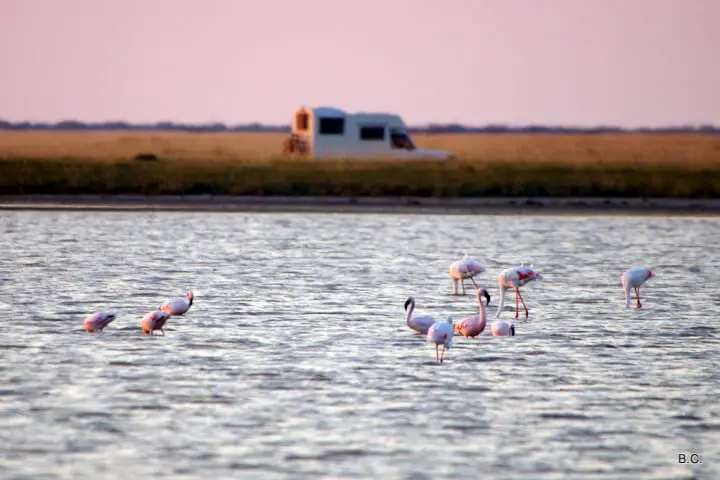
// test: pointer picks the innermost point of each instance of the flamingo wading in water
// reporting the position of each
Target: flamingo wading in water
(178, 306)
(633, 279)
(470, 327)
(154, 321)
(98, 321)
(515, 278)
(461, 270)
(501, 328)
(418, 322)
(441, 333)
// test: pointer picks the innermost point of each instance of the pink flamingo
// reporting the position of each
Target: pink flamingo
(441, 333)
(98, 321)
(515, 278)
(474, 325)
(461, 270)
(634, 279)
(178, 306)
(154, 321)
(501, 328)
(417, 321)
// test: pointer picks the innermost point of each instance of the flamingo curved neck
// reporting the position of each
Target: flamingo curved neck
(482, 316)
(409, 312)
(501, 303)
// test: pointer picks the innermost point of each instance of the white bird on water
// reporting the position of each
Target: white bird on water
(178, 306)
(441, 333)
(515, 278)
(421, 323)
(462, 270)
(633, 279)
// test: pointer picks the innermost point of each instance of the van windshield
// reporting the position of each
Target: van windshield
(400, 139)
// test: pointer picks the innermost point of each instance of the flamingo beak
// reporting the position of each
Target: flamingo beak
(512, 330)
(487, 297)
(407, 302)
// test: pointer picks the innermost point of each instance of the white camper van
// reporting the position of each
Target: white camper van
(324, 132)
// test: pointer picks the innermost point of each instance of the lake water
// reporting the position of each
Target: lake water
(295, 362)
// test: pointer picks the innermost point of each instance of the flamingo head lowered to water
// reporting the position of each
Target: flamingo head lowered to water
(632, 280)
(98, 321)
(501, 328)
(154, 321)
(441, 334)
(514, 278)
(178, 306)
(461, 270)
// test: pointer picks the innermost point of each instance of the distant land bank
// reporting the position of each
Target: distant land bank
(391, 205)
(627, 165)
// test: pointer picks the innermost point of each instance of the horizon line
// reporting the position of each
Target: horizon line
(210, 126)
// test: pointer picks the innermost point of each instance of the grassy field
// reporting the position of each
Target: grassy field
(614, 165)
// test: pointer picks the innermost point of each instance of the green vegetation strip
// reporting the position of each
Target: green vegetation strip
(457, 178)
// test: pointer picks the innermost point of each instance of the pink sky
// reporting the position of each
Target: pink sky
(571, 62)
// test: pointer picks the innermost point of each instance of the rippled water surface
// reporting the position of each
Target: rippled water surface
(295, 361)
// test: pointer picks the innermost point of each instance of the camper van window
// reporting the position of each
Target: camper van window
(372, 133)
(302, 121)
(400, 139)
(332, 126)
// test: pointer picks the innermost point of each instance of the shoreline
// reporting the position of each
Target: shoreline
(426, 205)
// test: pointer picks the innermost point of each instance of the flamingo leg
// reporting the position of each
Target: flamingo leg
(637, 294)
(442, 355)
(163, 332)
(437, 354)
(463, 285)
(455, 286)
(516, 302)
(523, 302)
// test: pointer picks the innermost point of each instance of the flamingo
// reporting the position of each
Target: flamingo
(515, 278)
(97, 321)
(441, 333)
(634, 279)
(178, 306)
(418, 322)
(461, 270)
(474, 325)
(501, 328)
(154, 321)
